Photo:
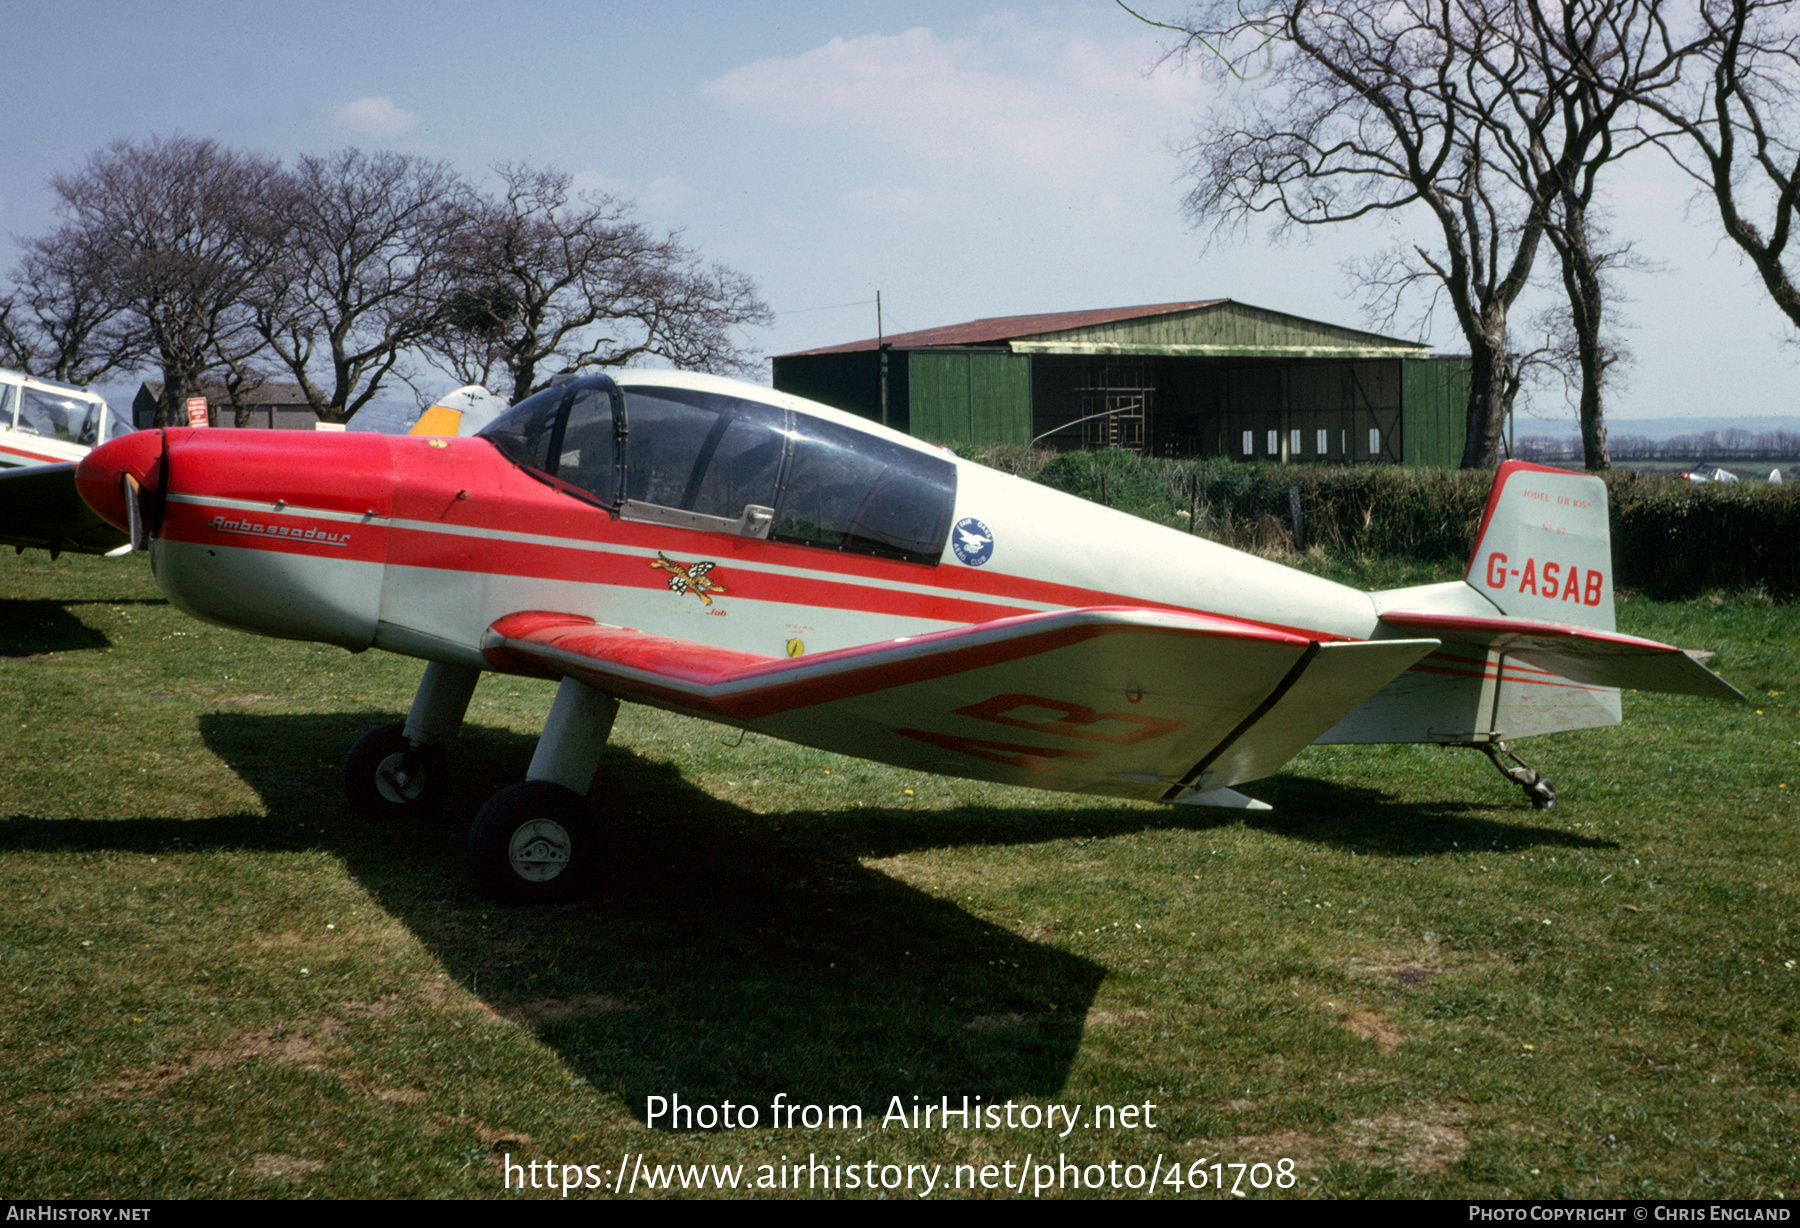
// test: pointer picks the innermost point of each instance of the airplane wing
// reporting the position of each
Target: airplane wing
(1581, 654)
(39, 506)
(1123, 702)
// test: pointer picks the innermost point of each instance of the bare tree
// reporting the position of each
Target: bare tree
(16, 349)
(363, 270)
(1737, 131)
(66, 320)
(180, 223)
(1575, 111)
(551, 280)
(1365, 109)
(1561, 364)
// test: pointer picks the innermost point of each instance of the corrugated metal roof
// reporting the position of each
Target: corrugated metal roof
(1005, 328)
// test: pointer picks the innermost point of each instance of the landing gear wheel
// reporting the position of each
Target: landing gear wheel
(387, 777)
(533, 843)
(1538, 789)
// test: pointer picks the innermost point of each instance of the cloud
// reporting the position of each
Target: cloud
(374, 116)
(1013, 97)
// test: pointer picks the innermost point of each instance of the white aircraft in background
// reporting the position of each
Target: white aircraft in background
(44, 429)
(742, 555)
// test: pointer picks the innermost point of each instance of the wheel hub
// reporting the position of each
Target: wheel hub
(398, 778)
(539, 850)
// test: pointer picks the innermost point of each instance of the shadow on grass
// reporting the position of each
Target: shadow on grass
(31, 627)
(28, 628)
(728, 954)
(1368, 822)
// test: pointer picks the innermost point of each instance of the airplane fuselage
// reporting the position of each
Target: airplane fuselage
(749, 557)
(418, 545)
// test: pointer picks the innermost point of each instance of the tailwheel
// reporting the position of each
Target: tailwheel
(1538, 789)
(533, 843)
(387, 777)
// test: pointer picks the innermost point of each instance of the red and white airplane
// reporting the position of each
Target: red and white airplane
(738, 554)
(44, 429)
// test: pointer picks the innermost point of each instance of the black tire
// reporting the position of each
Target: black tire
(387, 777)
(533, 843)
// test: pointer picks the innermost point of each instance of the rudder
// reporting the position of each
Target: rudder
(1544, 550)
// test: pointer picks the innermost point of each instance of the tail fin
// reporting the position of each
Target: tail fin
(462, 412)
(1553, 660)
(1544, 550)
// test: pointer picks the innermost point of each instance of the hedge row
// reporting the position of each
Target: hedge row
(1671, 538)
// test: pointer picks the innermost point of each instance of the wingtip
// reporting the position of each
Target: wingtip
(1228, 799)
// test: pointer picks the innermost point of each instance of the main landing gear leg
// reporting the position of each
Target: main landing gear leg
(533, 843)
(1538, 790)
(441, 702)
(400, 771)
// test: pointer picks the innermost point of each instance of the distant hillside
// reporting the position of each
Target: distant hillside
(1658, 428)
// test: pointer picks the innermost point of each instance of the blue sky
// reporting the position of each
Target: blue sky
(965, 159)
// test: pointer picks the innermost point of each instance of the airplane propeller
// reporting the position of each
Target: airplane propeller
(134, 512)
(144, 510)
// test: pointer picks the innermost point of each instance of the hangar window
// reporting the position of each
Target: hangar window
(1249, 443)
(1323, 442)
(1294, 443)
(1274, 442)
(1374, 443)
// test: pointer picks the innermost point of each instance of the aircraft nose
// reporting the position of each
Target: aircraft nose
(98, 476)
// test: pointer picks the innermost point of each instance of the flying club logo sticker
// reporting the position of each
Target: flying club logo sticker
(972, 541)
(686, 579)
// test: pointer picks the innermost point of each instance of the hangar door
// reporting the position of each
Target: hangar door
(962, 397)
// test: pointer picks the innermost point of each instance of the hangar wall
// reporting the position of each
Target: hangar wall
(1210, 379)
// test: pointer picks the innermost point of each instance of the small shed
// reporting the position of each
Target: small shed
(281, 407)
(1210, 377)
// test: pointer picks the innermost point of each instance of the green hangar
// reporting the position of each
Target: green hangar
(1208, 378)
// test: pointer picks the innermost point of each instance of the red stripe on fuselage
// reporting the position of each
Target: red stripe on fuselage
(477, 495)
(415, 548)
(1513, 673)
(32, 458)
(281, 532)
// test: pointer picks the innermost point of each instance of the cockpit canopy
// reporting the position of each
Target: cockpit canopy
(38, 408)
(708, 460)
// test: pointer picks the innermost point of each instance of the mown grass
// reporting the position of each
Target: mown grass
(214, 982)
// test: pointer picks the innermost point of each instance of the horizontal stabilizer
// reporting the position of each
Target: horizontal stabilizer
(1125, 702)
(1580, 654)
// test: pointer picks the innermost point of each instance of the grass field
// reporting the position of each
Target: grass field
(1402, 980)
